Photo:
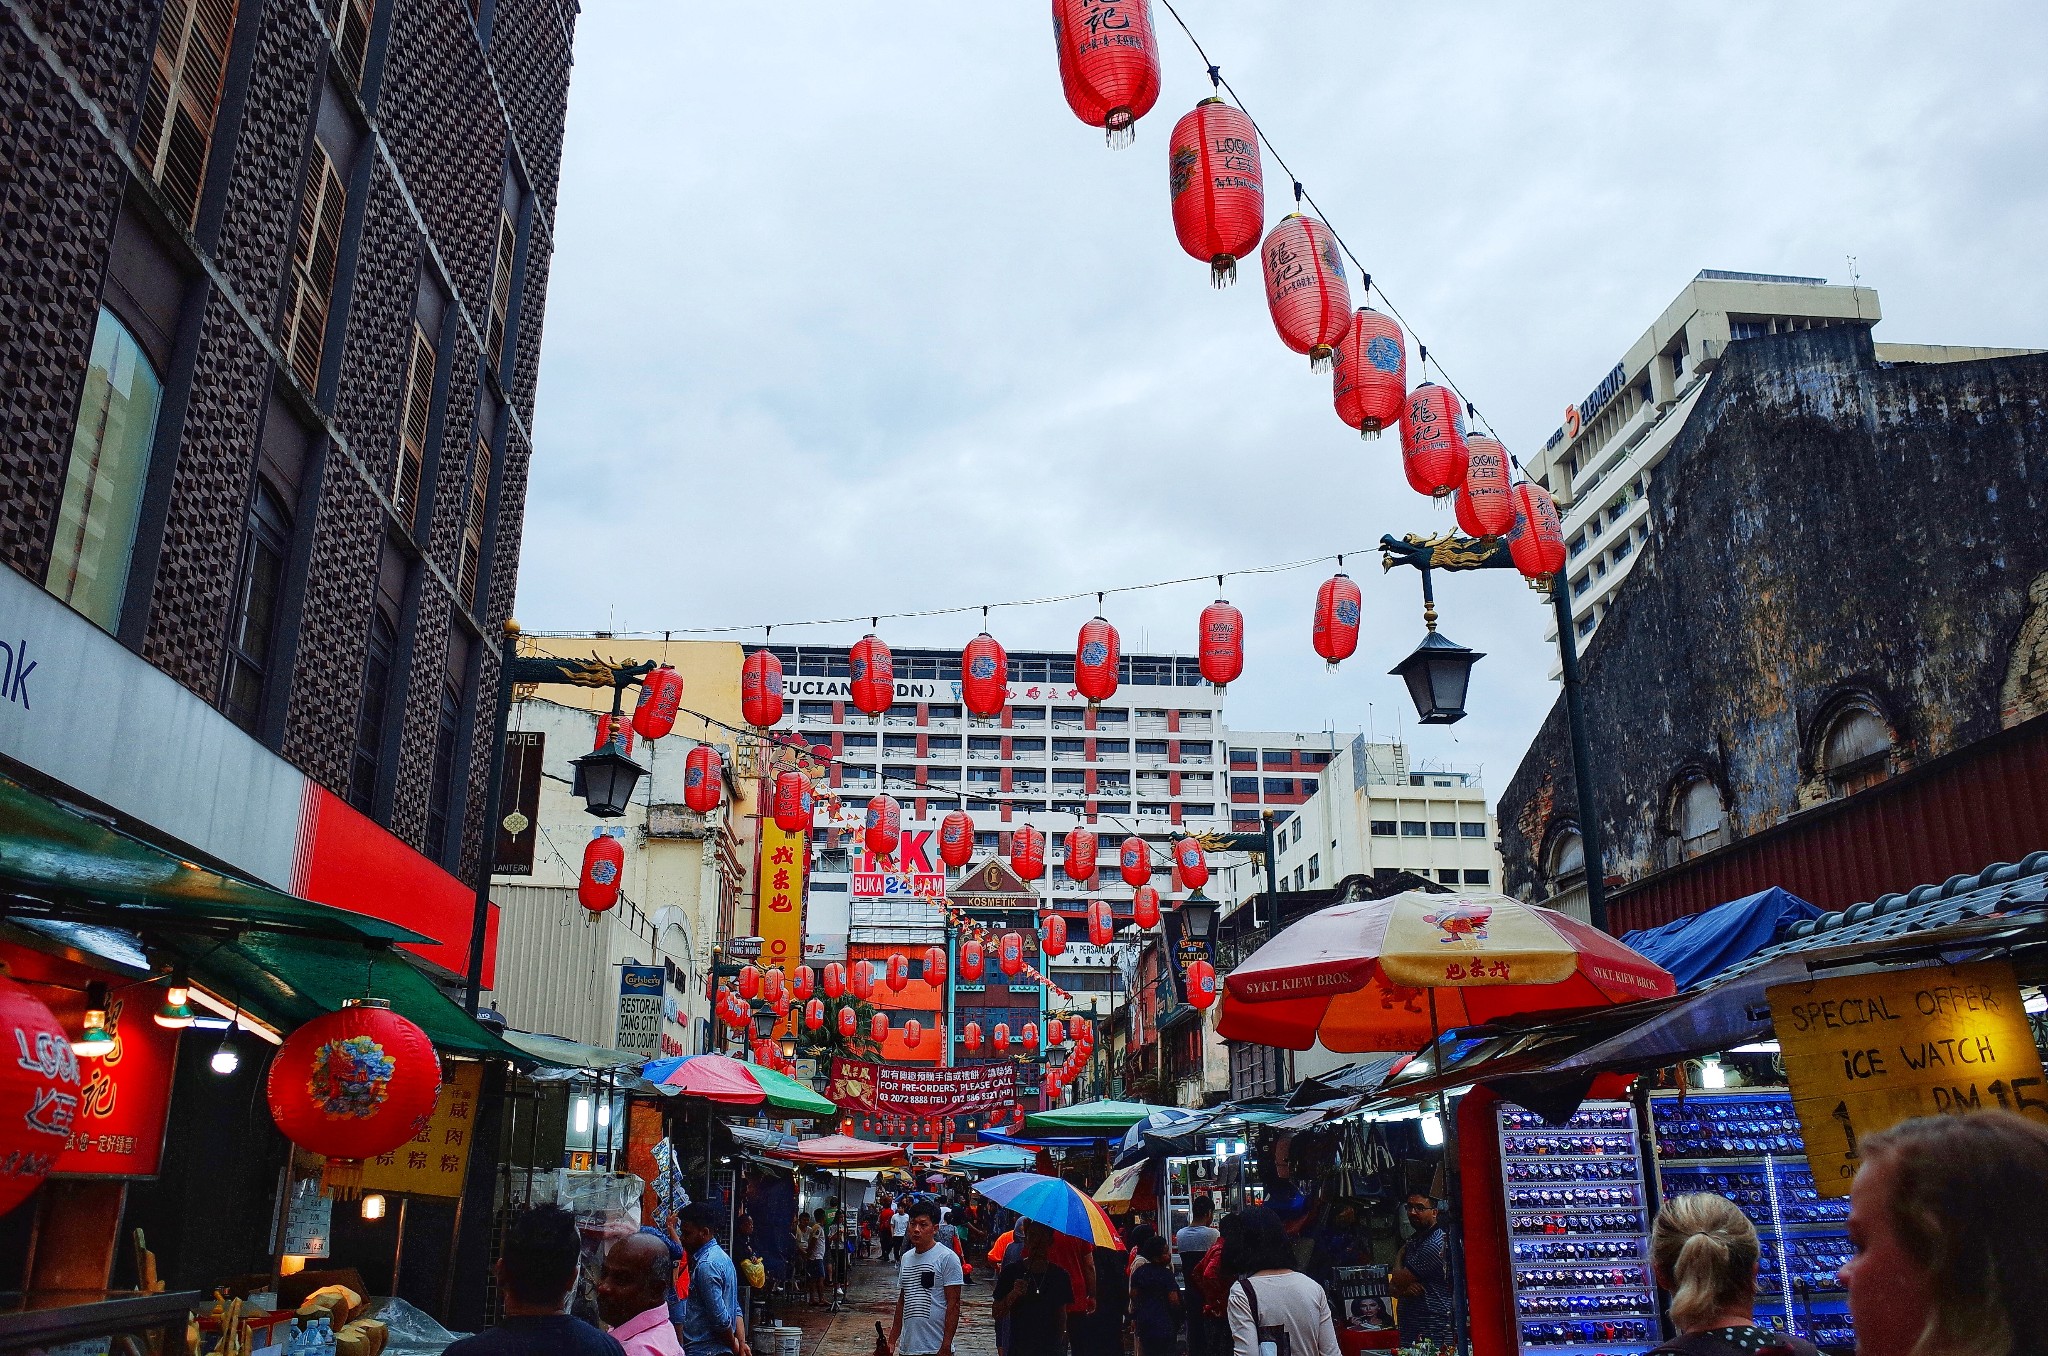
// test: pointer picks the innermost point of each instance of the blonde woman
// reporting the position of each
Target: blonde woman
(1704, 1252)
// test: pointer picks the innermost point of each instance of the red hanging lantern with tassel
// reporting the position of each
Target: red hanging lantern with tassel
(604, 866)
(1109, 63)
(1145, 906)
(835, 979)
(1000, 1039)
(39, 1093)
(1536, 541)
(814, 1014)
(1027, 853)
(1191, 862)
(849, 1020)
(654, 711)
(761, 689)
(1101, 923)
(1370, 384)
(1218, 187)
(1052, 935)
(1221, 644)
(956, 838)
(1010, 955)
(773, 989)
(1201, 983)
(1096, 660)
(792, 802)
(970, 1037)
(1433, 441)
(972, 961)
(898, 974)
(1337, 611)
(1306, 290)
(1055, 1032)
(860, 980)
(883, 829)
(749, 983)
(871, 672)
(1030, 1035)
(1134, 861)
(351, 1085)
(1079, 855)
(1486, 501)
(703, 779)
(804, 982)
(984, 677)
(878, 1027)
(913, 1033)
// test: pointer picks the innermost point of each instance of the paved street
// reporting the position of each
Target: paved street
(871, 1298)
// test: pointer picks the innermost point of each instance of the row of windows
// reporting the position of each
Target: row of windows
(991, 746)
(914, 665)
(1111, 720)
(1274, 786)
(1435, 828)
(1310, 759)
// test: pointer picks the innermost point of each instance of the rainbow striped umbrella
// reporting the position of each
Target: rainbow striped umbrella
(1060, 1206)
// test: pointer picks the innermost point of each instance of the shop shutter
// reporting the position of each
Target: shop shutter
(183, 96)
(313, 265)
(501, 292)
(412, 436)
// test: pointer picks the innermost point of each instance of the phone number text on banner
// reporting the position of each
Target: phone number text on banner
(898, 1090)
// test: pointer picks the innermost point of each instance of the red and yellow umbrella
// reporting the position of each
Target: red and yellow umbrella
(1365, 976)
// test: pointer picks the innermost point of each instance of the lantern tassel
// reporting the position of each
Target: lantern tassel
(1120, 128)
(1320, 358)
(342, 1178)
(1369, 431)
(1222, 270)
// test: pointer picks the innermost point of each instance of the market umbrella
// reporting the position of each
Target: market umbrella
(1058, 1205)
(733, 1082)
(1121, 1188)
(1164, 1119)
(1108, 1119)
(993, 1158)
(1388, 974)
(841, 1151)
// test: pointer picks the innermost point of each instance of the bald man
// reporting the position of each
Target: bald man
(632, 1296)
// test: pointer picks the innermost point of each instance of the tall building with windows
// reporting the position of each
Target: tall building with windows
(270, 310)
(1277, 770)
(1375, 812)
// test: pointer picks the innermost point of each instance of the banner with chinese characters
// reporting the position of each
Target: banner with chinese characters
(432, 1162)
(779, 881)
(124, 1095)
(920, 1090)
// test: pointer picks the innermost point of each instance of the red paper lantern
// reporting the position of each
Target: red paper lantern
(1486, 501)
(703, 779)
(1080, 855)
(913, 1033)
(1052, 935)
(1134, 861)
(1055, 1031)
(884, 828)
(39, 1093)
(1027, 853)
(1201, 983)
(352, 1085)
(984, 677)
(971, 962)
(871, 670)
(878, 1027)
(898, 974)
(956, 838)
(1433, 441)
(935, 965)
(814, 1013)
(1536, 541)
(613, 729)
(999, 1040)
(1192, 863)
(1030, 1035)
(835, 979)
(1305, 287)
(761, 689)
(763, 1051)
(970, 1039)
(749, 982)
(1370, 384)
(1097, 657)
(792, 802)
(1145, 906)
(1109, 63)
(1101, 923)
(654, 711)
(1010, 957)
(604, 864)
(1217, 186)
(803, 982)
(849, 1020)
(774, 990)
(860, 980)
(1221, 644)
(1337, 610)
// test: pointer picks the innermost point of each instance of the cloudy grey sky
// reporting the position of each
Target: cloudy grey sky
(850, 314)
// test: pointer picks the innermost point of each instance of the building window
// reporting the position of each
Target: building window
(1297, 832)
(1244, 757)
(473, 523)
(858, 741)
(1699, 822)
(1385, 828)
(1277, 758)
(1564, 873)
(441, 780)
(1244, 786)
(501, 292)
(412, 428)
(1447, 876)
(1315, 866)
(368, 763)
(1308, 786)
(1478, 878)
(908, 743)
(1856, 752)
(1471, 830)
(311, 288)
(104, 482)
(349, 22)
(1198, 811)
(1440, 828)
(1279, 786)
(178, 109)
(1300, 881)
(1414, 828)
(259, 592)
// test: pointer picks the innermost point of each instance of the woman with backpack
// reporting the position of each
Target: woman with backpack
(1274, 1310)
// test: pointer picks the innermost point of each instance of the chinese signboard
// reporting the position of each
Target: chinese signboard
(525, 751)
(921, 1090)
(779, 881)
(1867, 1052)
(124, 1095)
(308, 1221)
(431, 1163)
(913, 873)
(640, 1010)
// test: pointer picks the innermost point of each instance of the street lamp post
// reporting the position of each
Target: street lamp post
(1429, 673)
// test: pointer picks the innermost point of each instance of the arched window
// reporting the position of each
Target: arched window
(1564, 874)
(104, 483)
(1699, 822)
(1855, 753)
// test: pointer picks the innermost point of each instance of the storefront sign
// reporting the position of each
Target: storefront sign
(779, 917)
(432, 1162)
(912, 873)
(892, 1089)
(1870, 1051)
(124, 1095)
(640, 1010)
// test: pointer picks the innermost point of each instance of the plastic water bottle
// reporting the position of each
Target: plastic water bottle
(327, 1342)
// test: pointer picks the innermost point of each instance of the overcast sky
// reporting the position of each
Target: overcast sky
(850, 314)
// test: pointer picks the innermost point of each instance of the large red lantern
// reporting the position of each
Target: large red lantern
(1336, 628)
(39, 1093)
(1145, 906)
(878, 1027)
(1217, 186)
(1191, 862)
(1000, 1038)
(1433, 441)
(1486, 501)
(1201, 983)
(835, 979)
(849, 1020)
(913, 1033)
(703, 779)
(604, 864)
(1030, 1035)
(764, 1052)
(1027, 853)
(970, 1038)
(761, 689)
(352, 1085)
(814, 1014)
(654, 712)
(1101, 923)
(971, 961)
(773, 991)
(1052, 935)
(1305, 287)
(1134, 861)
(984, 677)
(1221, 644)
(884, 827)
(860, 980)
(935, 965)
(792, 802)
(1096, 660)
(1010, 955)
(1370, 384)
(804, 982)
(1055, 1031)
(749, 983)
(1079, 863)
(956, 838)
(1109, 63)
(613, 729)
(871, 672)
(898, 973)
(1536, 541)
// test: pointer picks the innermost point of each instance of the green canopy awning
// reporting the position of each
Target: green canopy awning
(80, 868)
(567, 1054)
(786, 1094)
(1105, 1117)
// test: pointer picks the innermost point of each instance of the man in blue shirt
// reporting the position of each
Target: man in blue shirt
(711, 1315)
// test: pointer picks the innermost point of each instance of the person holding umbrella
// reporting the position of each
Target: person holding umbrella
(1032, 1296)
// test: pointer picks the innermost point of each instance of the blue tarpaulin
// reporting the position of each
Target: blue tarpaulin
(1696, 948)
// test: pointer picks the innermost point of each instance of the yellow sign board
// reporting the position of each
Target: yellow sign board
(432, 1162)
(1867, 1052)
(779, 892)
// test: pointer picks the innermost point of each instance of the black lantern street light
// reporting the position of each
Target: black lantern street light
(605, 778)
(1437, 674)
(764, 1021)
(1198, 916)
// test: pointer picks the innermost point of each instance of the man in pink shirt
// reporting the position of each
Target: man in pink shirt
(632, 1296)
